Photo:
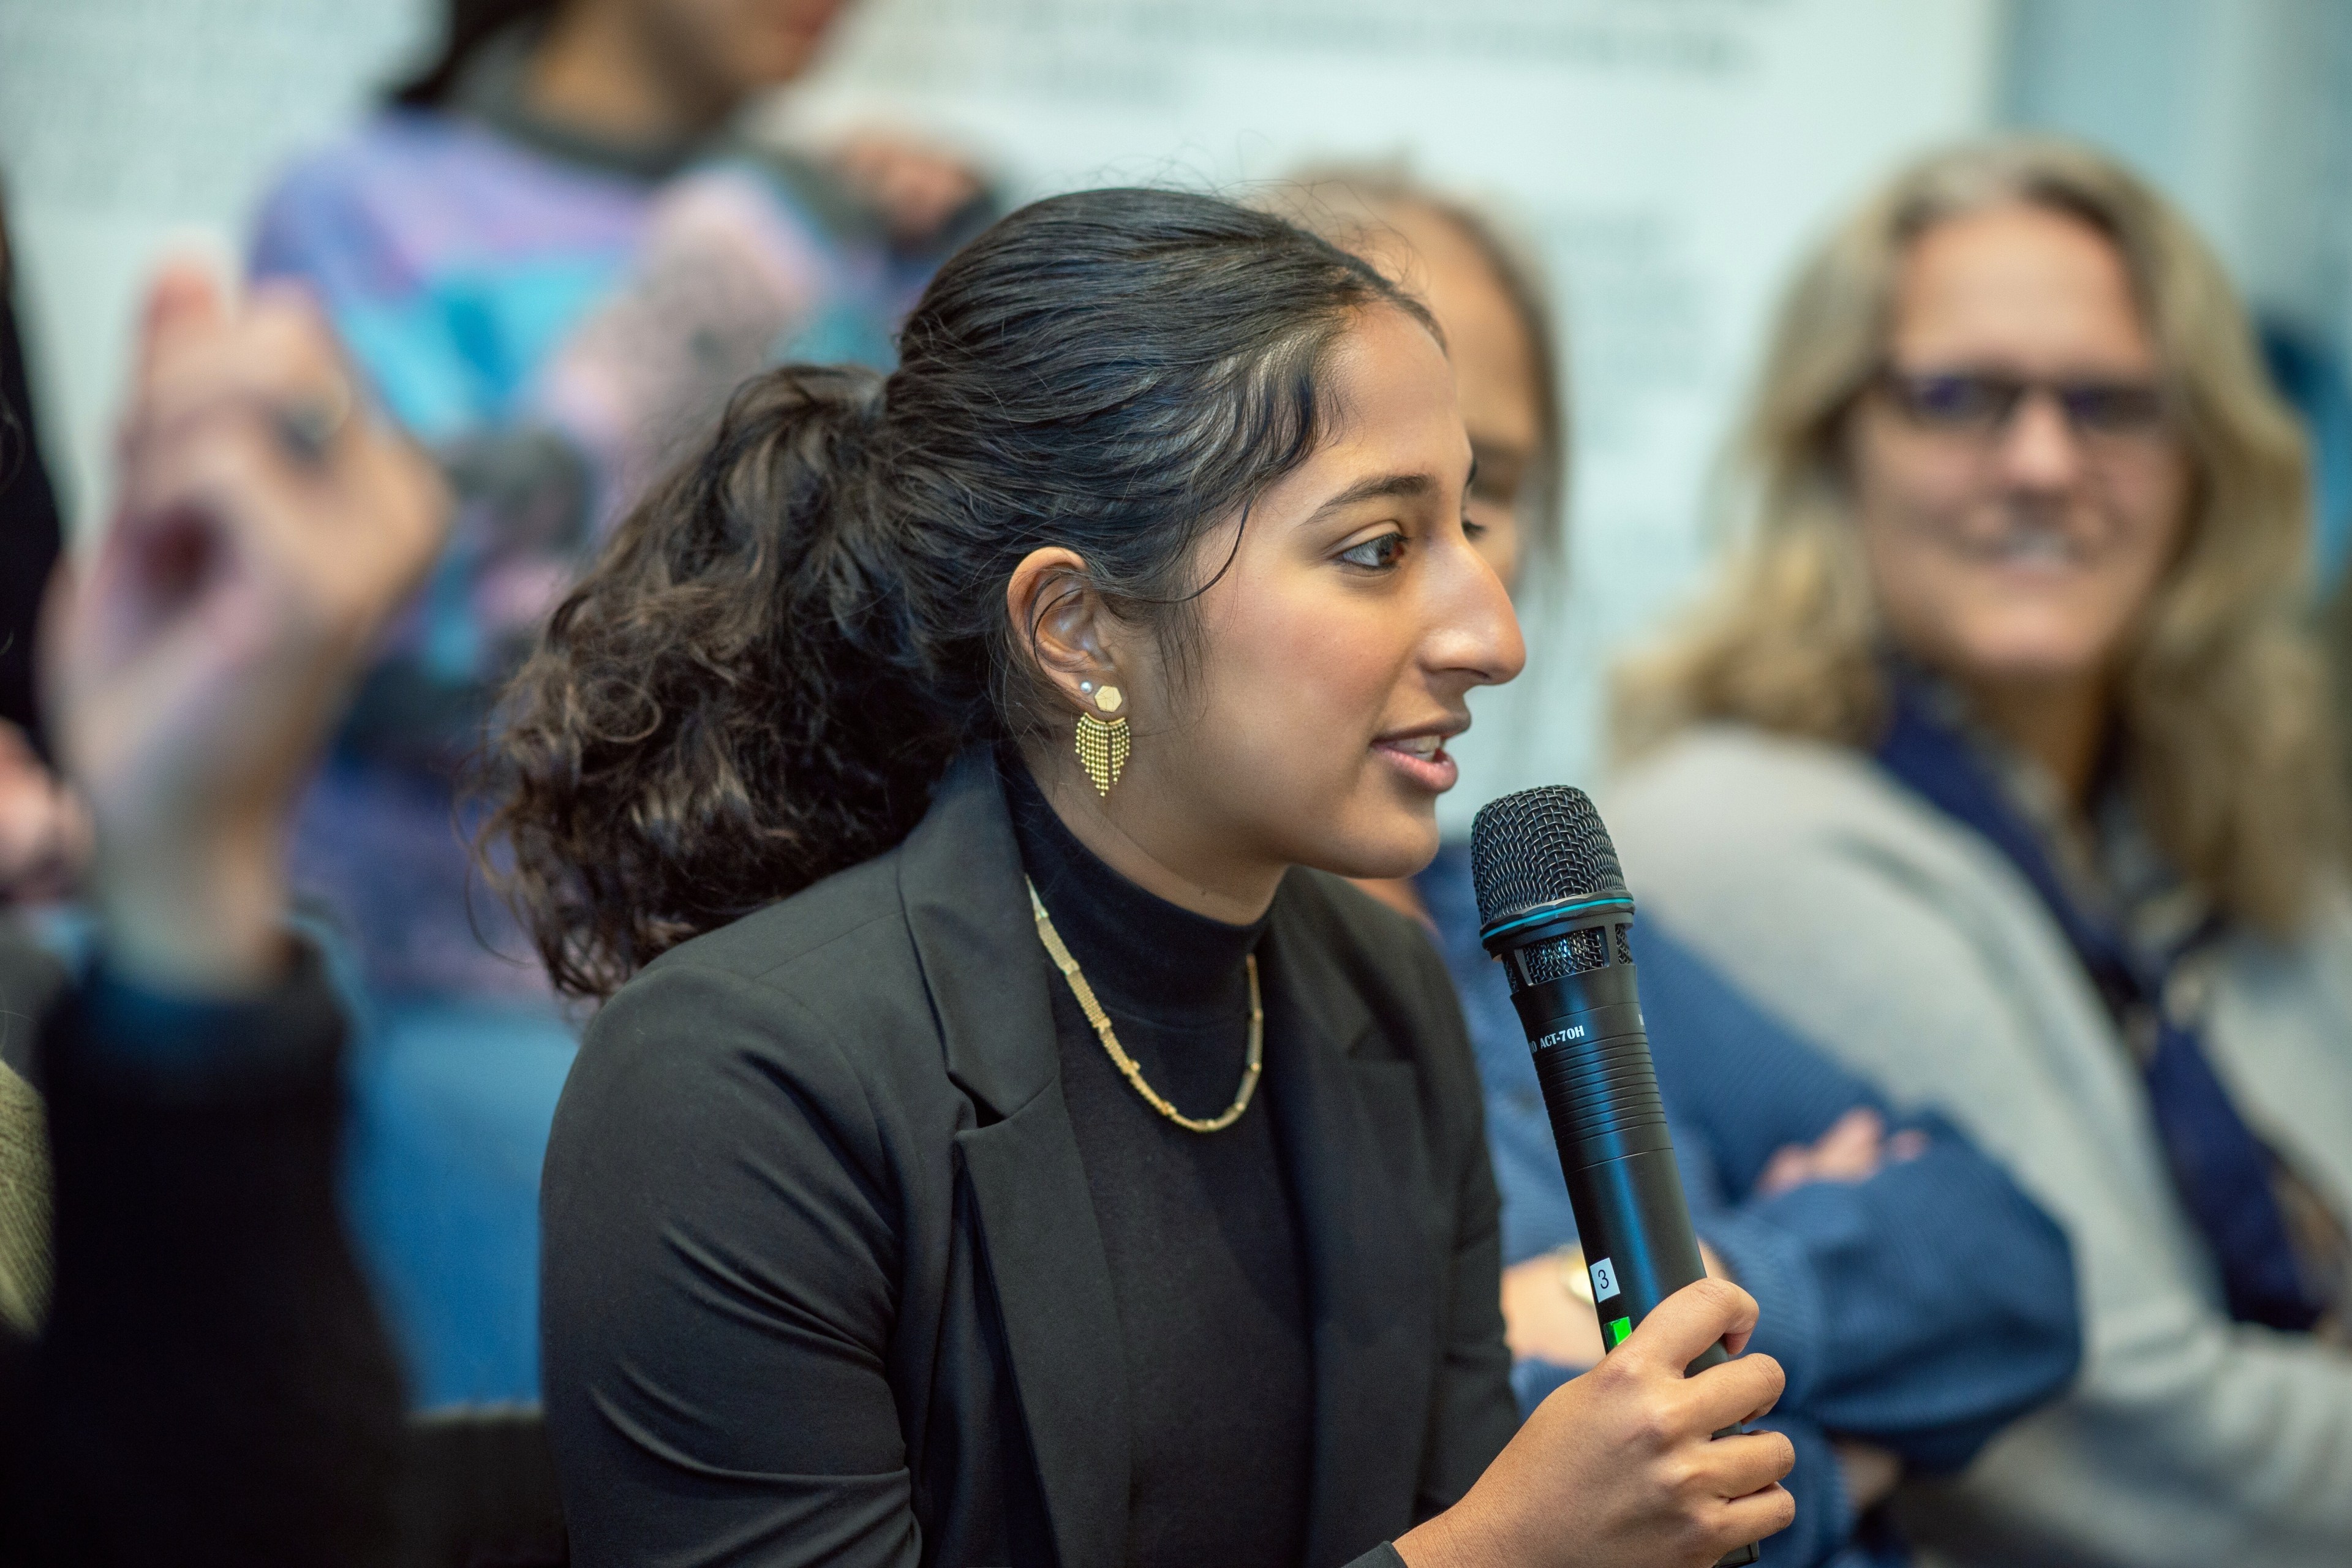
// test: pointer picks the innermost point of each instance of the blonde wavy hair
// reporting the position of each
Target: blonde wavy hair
(2226, 745)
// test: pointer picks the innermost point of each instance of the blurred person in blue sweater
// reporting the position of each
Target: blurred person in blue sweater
(1919, 1300)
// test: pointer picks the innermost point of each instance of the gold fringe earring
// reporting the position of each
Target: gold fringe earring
(1103, 748)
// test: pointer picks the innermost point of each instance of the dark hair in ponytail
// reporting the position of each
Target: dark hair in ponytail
(769, 669)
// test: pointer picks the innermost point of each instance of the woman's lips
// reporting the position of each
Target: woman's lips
(1423, 760)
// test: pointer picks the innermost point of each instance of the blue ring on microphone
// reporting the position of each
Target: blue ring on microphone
(1553, 912)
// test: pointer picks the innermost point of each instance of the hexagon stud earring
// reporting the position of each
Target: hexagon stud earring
(1102, 747)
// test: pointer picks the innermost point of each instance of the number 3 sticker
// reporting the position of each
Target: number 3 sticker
(1605, 1280)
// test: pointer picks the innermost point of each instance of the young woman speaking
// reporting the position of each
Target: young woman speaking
(1011, 1142)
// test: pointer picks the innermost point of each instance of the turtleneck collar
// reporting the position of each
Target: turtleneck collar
(1144, 956)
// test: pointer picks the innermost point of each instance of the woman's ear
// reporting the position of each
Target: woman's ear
(1060, 617)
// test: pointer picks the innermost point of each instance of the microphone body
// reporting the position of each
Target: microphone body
(1554, 910)
(1592, 1060)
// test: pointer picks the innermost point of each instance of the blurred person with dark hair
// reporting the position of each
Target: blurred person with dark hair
(209, 1383)
(1806, 1186)
(2000, 759)
(551, 256)
(559, 221)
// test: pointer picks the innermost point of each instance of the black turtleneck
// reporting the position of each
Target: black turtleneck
(1199, 1227)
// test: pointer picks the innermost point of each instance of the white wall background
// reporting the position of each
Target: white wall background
(2241, 108)
(1667, 156)
(128, 127)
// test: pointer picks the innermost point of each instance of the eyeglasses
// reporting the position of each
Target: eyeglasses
(1980, 404)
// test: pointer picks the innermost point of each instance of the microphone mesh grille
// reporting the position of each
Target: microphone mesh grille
(1539, 846)
(1577, 952)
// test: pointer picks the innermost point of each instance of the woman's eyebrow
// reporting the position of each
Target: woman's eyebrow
(1377, 487)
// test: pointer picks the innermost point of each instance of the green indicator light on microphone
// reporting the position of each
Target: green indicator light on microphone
(1618, 1329)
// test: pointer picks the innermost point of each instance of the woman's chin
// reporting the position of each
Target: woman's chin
(1402, 846)
(2030, 664)
(2025, 644)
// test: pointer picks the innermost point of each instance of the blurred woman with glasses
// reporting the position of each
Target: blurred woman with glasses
(2000, 762)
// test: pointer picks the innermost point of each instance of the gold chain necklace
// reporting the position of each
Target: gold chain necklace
(1093, 1009)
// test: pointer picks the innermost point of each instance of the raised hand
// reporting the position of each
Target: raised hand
(264, 532)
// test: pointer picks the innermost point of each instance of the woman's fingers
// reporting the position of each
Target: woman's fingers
(1687, 1321)
(1755, 1517)
(269, 543)
(1620, 1466)
(275, 351)
(260, 408)
(1733, 1494)
(1740, 1466)
(184, 298)
(276, 363)
(1851, 1151)
(1735, 1390)
(189, 529)
(1789, 1167)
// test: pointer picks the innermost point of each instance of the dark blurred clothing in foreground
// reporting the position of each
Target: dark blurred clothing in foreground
(212, 1385)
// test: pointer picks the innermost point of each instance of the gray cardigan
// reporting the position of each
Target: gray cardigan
(1914, 951)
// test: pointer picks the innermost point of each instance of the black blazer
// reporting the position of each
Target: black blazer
(823, 1281)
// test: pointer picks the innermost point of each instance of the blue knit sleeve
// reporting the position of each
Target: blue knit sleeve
(1924, 1307)
(1824, 1519)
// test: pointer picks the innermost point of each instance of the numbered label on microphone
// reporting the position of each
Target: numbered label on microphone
(1605, 1279)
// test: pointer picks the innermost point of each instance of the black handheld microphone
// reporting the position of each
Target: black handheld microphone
(1553, 907)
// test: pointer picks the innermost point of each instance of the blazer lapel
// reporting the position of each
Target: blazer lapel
(960, 881)
(1350, 1130)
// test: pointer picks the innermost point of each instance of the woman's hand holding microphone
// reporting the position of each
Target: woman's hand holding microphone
(1621, 1469)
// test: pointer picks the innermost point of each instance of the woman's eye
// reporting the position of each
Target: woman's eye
(1376, 554)
(1472, 529)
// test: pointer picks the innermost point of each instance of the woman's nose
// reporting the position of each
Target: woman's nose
(2040, 448)
(1478, 629)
